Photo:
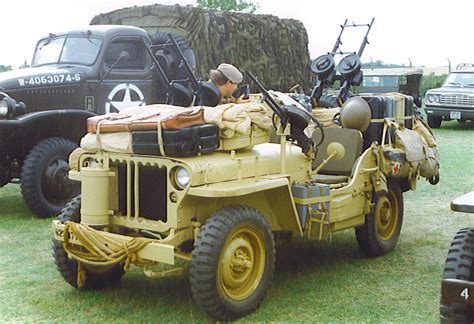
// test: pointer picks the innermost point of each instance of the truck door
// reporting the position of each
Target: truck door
(129, 83)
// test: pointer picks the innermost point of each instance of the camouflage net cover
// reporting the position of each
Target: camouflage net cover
(276, 50)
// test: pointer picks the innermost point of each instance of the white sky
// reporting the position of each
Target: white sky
(426, 32)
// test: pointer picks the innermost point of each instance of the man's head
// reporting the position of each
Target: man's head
(226, 77)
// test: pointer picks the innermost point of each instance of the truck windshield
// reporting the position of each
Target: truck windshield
(459, 80)
(380, 81)
(67, 49)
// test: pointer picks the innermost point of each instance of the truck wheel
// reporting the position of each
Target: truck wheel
(232, 262)
(67, 267)
(45, 185)
(382, 227)
(459, 265)
(434, 121)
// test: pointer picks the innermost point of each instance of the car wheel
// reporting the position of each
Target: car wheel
(434, 121)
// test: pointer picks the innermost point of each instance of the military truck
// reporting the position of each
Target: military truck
(454, 100)
(402, 80)
(73, 75)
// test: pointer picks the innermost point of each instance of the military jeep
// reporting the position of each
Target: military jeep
(74, 75)
(219, 214)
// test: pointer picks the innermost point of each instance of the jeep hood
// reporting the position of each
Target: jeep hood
(41, 76)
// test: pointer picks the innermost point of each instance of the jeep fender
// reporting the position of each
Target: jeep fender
(272, 197)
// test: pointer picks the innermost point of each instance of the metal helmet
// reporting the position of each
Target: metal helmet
(355, 114)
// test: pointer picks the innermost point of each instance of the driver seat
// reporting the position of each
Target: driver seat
(337, 171)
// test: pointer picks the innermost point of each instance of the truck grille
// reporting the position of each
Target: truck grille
(142, 191)
(63, 97)
(457, 100)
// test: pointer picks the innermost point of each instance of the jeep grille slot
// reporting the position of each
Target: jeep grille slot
(142, 191)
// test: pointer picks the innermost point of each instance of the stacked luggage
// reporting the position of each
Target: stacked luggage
(164, 130)
(396, 106)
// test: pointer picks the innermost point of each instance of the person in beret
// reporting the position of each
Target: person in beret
(227, 77)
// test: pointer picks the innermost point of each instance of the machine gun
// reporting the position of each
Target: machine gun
(349, 67)
(178, 93)
(291, 114)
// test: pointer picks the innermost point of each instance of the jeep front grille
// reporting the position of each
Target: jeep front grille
(456, 100)
(142, 191)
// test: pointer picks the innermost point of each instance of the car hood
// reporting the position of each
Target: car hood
(41, 76)
(452, 90)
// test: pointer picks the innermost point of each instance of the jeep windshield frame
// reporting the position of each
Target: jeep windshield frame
(460, 80)
(67, 49)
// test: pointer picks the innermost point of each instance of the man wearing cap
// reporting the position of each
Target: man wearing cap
(226, 77)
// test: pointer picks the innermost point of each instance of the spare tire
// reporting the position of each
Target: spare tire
(171, 69)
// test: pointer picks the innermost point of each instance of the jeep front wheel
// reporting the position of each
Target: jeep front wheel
(97, 277)
(45, 185)
(232, 263)
(382, 227)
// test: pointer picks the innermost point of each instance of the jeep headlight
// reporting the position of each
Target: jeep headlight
(180, 177)
(436, 98)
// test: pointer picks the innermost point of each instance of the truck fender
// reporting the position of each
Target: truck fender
(68, 123)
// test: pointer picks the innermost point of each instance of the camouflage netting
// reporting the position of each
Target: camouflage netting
(276, 50)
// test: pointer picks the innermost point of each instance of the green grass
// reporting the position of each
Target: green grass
(314, 281)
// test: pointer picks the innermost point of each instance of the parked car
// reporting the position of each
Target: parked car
(454, 100)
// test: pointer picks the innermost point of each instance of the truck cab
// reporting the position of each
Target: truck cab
(73, 75)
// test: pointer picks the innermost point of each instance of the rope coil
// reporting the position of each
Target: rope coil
(99, 250)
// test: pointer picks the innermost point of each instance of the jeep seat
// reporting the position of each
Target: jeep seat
(337, 171)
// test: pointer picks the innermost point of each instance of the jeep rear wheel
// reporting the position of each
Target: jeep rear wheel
(459, 265)
(232, 263)
(68, 267)
(382, 227)
(45, 185)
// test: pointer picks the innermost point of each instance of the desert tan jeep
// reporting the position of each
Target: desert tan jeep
(219, 214)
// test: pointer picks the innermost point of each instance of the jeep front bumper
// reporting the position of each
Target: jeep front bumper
(154, 251)
(457, 291)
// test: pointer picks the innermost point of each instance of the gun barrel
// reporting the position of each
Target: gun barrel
(270, 101)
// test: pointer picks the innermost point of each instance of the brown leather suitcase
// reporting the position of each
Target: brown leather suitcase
(125, 122)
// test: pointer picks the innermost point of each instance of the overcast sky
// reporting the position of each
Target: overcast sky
(426, 32)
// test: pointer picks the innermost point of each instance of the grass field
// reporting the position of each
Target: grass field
(314, 281)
